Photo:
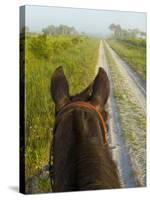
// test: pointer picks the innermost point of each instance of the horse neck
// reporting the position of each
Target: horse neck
(64, 155)
(79, 162)
(94, 166)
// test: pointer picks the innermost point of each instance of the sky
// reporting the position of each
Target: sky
(84, 20)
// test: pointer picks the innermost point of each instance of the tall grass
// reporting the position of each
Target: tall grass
(133, 51)
(78, 57)
(136, 42)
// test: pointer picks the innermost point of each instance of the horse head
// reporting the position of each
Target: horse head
(82, 160)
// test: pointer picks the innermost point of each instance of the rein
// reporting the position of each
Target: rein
(79, 104)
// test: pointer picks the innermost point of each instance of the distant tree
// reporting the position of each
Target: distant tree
(73, 31)
(133, 32)
(112, 27)
(124, 34)
(143, 34)
(50, 30)
(59, 30)
(83, 33)
(62, 30)
(120, 33)
(117, 31)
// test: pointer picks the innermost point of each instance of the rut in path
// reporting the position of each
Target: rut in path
(120, 153)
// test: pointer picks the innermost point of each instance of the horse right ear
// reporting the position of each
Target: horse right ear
(101, 89)
(59, 88)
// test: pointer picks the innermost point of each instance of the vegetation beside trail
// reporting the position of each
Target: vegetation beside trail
(133, 51)
(43, 53)
(133, 120)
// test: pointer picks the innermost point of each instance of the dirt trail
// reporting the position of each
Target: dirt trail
(120, 153)
(136, 85)
(135, 111)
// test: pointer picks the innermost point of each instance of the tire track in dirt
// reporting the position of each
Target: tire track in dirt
(119, 152)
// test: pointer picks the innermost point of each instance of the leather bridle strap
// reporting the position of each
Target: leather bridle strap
(91, 107)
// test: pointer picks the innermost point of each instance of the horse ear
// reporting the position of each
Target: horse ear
(101, 89)
(59, 88)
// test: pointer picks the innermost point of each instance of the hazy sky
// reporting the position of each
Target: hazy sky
(90, 21)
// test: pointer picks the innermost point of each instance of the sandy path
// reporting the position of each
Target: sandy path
(137, 94)
(120, 153)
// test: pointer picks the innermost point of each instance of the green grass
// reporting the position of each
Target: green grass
(78, 57)
(136, 42)
(133, 51)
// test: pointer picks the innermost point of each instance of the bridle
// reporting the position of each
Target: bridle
(69, 107)
(82, 104)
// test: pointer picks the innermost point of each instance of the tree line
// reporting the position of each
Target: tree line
(54, 30)
(59, 30)
(120, 33)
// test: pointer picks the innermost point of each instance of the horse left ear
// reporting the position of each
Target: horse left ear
(101, 89)
(59, 88)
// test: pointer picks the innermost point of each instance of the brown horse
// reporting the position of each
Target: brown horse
(81, 160)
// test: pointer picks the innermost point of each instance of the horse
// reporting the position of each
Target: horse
(82, 159)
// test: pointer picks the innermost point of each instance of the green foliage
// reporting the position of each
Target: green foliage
(43, 54)
(134, 53)
(45, 47)
(120, 33)
(40, 47)
(135, 42)
(59, 30)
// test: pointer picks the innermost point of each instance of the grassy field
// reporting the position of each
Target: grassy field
(77, 55)
(133, 51)
(133, 120)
